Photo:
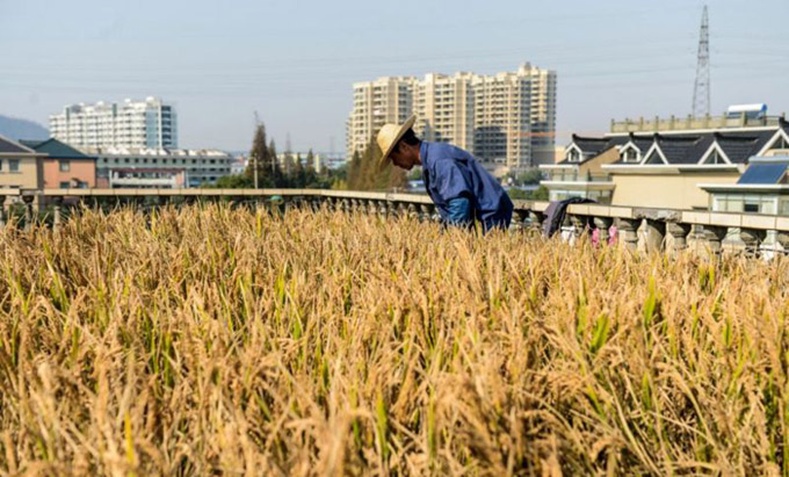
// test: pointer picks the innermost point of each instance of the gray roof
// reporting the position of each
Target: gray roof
(689, 148)
(8, 146)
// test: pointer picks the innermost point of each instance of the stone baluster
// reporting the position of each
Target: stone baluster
(679, 233)
(714, 235)
(520, 216)
(655, 235)
(537, 220)
(57, 204)
(580, 225)
(383, 208)
(628, 230)
(775, 243)
(412, 211)
(603, 225)
(752, 238)
(28, 201)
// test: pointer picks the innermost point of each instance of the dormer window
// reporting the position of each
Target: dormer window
(781, 143)
(715, 158)
(629, 155)
(573, 155)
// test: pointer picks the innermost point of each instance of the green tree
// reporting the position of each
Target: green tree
(540, 194)
(277, 177)
(529, 176)
(363, 173)
(261, 159)
(234, 181)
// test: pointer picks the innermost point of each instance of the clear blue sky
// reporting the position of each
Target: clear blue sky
(294, 61)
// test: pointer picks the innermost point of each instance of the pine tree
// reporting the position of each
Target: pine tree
(299, 173)
(363, 172)
(354, 172)
(275, 171)
(259, 159)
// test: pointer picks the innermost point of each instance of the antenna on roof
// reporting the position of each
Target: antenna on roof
(701, 89)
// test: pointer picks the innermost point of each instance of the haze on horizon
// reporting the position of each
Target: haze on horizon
(294, 61)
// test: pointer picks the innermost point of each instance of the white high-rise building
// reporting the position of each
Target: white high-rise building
(139, 124)
(508, 120)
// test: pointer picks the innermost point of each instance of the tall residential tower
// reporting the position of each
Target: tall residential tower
(138, 124)
(508, 120)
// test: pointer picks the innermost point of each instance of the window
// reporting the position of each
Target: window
(13, 165)
(65, 185)
(65, 166)
(715, 158)
(630, 155)
(573, 156)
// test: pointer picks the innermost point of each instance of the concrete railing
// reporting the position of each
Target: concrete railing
(647, 229)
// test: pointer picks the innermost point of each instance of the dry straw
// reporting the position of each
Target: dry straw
(212, 340)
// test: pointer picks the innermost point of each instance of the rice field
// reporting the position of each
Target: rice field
(210, 340)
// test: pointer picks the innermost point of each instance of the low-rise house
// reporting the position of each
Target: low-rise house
(64, 167)
(20, 166)
(580, 174)
(663, 169)
(762, 189)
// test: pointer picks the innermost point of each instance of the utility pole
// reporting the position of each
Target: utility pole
(701, 89)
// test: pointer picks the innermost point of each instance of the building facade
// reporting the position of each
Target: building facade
(375, 103)
(664, 165)
(200, 167)
(141, 124)
(508, 120)
(20, 166)
(63, 166)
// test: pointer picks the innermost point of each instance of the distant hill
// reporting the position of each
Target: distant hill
(14, 129)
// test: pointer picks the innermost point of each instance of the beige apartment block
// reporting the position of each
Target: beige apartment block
(507, 120)
(386, 100)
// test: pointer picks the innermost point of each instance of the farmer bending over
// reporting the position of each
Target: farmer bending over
(462, 190)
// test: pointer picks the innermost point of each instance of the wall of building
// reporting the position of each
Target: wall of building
(672, 191)
(29, 175)
(200, 166)
(594, 167)
(83, 170)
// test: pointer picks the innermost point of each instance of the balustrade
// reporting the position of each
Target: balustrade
(669, 231)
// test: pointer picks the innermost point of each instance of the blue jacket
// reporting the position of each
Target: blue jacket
(450, 173)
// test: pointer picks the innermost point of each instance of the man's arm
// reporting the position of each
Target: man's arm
(459, 211)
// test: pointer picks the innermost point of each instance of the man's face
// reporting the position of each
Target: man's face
(403, 157)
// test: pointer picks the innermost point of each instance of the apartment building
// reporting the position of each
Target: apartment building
(151, 123)
(508, 120)
(385, 100)
(199, 166)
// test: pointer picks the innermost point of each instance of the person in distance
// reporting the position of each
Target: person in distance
(462, 190)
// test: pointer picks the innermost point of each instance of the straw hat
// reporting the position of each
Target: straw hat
(388, 137)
